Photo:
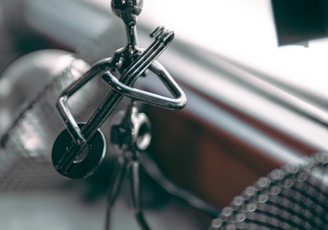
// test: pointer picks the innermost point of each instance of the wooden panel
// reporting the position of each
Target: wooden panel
(210, 161)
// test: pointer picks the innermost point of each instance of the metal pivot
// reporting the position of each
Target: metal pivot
(73, 147)
(131, 135)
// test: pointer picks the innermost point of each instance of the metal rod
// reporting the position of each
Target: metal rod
(117, 180)
(128, 78)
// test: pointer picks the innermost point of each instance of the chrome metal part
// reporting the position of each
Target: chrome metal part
(121, 71)
(79, 149)
(127, 10)
(129, 137)
(131, 128)
(85, 163)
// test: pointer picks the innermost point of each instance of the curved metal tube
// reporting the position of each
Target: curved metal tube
(178, 102)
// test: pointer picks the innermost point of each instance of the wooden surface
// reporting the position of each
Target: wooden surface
(209, 161)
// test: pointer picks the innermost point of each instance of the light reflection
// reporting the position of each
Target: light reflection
(243, 30)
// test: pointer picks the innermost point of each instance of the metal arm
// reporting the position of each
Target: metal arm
(62, 107)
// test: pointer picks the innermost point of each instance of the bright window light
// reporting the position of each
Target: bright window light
(243, 30)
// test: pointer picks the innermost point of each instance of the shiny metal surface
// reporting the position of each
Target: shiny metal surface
(128, 142)
(127, 64)
(130, 128)
(127, 10)
(87, 162)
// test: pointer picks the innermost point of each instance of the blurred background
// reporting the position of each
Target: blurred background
(255, 77)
